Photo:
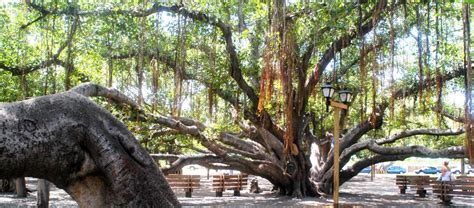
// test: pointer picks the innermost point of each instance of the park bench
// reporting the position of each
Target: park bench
(446, 190)
(465, 178)
(186, 182)
(418, 182)
(220, 183)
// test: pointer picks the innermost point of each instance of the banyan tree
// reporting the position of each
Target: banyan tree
(237, 83)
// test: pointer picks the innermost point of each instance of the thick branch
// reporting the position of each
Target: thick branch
(348, 152)
(67, 139)
(253, 167)
(267, 168)
(93, 90)
(238, 143)
(271, 142)
(451, 152)
(164, 133)
(415, 132)
(355, 134)
(218, 149)
(259, 167)
(19, 70)
(182, 160)
(419, 151)
(190, 122)
(181, 124)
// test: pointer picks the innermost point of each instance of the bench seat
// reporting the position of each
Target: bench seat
(418, 182)
(220, 183)
(186, 182)
(446, 190)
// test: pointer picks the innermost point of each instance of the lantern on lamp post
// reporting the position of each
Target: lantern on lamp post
(328, 91)
(345, 96)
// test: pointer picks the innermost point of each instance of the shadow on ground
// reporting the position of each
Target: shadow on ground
(358, 192)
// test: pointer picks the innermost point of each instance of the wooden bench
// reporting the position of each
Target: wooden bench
(186, 182)
(418, 182)
(220, 183)
(433, 179)
(465, 178)
(446, 190)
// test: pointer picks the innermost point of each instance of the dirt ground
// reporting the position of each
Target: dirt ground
(359, 192)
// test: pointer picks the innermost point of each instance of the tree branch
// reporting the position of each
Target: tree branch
(415, 132)
(168, 60)
(182, 160)
(309, 51)
(94, 90)
(54, 60)
(413, 89)
(32, 22)
(356, 60)
(232, 140)
(267, 168)
(448, 115)
(341, 43)
(418, 151)
(264, 121)
(181, 124)
(354, 135)
(164, 133)
(348, 152)
(225, 95)
(234, 70)
(190, 122)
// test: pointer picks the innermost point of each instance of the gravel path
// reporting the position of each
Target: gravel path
(359, 192)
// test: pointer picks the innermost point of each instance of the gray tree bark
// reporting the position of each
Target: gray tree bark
(20, 187)
(81, 148)
(42, 199)
(7, 185)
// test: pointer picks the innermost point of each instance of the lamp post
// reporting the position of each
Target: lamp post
(345, 97)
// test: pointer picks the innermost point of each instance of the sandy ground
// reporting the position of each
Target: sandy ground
(359, 192)
(57, 197)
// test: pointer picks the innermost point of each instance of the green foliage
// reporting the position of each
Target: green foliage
(206, 60)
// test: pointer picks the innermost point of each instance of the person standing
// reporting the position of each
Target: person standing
(445, 172)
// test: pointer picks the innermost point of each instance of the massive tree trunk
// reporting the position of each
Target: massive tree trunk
(81, 148)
